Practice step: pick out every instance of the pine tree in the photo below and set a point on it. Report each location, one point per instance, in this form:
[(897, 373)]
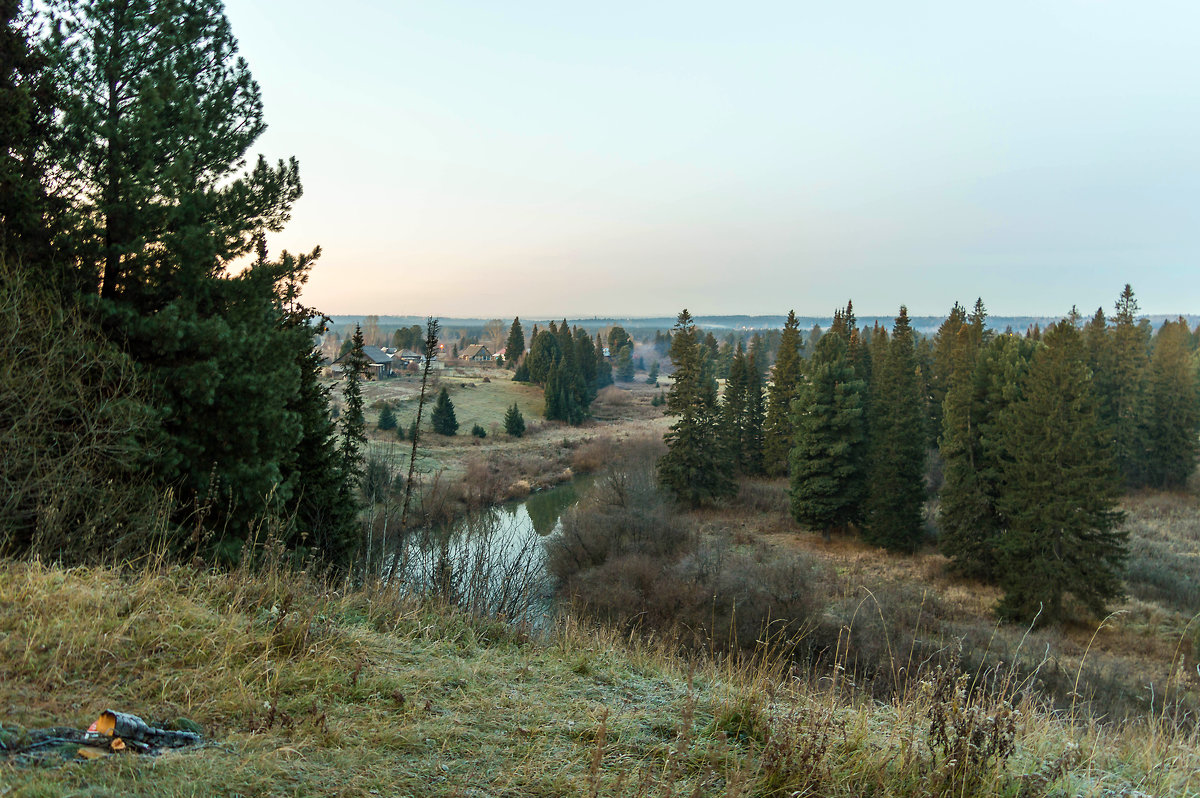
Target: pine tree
[(1175, 407), (514, 349), (514, 422), (896, 479), (1059, 491), (785, 386), (353, 419), (695, 468), (387, 418), (826, 484), (442, 418)]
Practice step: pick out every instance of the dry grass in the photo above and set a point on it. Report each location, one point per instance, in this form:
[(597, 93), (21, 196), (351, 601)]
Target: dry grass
[(305, 690)]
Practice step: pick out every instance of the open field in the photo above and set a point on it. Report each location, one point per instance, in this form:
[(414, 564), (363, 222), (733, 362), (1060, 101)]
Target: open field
[(541, 457)]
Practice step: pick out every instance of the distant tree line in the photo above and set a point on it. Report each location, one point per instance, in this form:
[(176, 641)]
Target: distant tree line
[(1037, 435)]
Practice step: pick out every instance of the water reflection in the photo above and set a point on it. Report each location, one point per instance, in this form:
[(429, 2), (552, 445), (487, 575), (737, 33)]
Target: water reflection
[(491, 562)]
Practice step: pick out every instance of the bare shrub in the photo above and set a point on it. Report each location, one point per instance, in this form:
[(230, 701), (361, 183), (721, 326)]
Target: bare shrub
[(73, 425), (614, 396), (763, 497), (593, 455)]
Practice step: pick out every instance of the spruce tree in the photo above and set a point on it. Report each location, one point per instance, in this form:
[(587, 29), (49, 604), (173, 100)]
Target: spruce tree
[(985, 382), (1174, 407), (695, 468), (785, 386), (604, 375), (387, 418), (1125, 393), (826, 479), (945, 344), (896, 476), (624, 367), (514, 422), (1059, 490), (514, 349), (733, 408), (442, 418), (353, 419)]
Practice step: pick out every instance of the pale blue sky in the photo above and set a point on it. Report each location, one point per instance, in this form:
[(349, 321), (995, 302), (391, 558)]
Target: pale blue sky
[(557, 158)]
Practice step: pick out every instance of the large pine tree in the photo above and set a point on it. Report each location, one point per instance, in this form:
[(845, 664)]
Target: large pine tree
[(1059, 491), (785, 386), (695, 468), (896, 475), (826, 484)]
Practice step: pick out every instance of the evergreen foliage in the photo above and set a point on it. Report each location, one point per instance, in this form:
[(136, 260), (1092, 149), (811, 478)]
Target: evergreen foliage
[(143, 114), (896, 477), (514, 349), (786, 380), (387, 418), (353, 418), (514, 422), (826, 479), (478, 431), (1059, 490), (695, 468), (442, 419), (1174, 407), (984, 384), (624, 363), (742, 414)]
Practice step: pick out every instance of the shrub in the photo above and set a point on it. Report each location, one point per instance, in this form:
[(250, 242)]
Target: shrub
[(478, 431)]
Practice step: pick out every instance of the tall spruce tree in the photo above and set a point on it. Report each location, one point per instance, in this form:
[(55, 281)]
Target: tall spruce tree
[(1174, 407), (1125, 395), (985, 382), (695, 468), (896, 477), (1059, 491), (353, 418), (826, 479), (945, 343), (514, 349), (785, 386)]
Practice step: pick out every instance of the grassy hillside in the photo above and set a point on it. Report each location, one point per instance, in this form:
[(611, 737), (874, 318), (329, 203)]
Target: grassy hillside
[(305, 690)]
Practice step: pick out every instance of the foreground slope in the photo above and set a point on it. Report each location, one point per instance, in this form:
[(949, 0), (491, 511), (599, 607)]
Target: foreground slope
[(304, 690)]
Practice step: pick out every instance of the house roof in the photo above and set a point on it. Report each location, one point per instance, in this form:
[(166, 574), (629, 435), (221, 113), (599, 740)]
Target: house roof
[(473, 350), (376, 355)]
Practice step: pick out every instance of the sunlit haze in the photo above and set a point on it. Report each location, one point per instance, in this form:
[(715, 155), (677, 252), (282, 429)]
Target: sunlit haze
[(550, 159)]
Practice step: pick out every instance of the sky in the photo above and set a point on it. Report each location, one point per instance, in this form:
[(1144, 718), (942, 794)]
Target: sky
[(550, 159)]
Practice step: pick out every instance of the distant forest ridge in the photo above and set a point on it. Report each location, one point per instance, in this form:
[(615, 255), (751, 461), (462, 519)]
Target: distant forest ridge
[(925, 325)]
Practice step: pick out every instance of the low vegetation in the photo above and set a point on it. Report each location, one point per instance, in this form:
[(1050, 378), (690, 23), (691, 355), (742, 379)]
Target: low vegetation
[(308, 688)]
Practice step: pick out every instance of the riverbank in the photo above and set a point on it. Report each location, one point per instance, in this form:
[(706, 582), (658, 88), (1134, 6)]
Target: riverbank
[(304, 689)]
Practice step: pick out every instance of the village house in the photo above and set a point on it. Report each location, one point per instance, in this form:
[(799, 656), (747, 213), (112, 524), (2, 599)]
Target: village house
[(476, 353)]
